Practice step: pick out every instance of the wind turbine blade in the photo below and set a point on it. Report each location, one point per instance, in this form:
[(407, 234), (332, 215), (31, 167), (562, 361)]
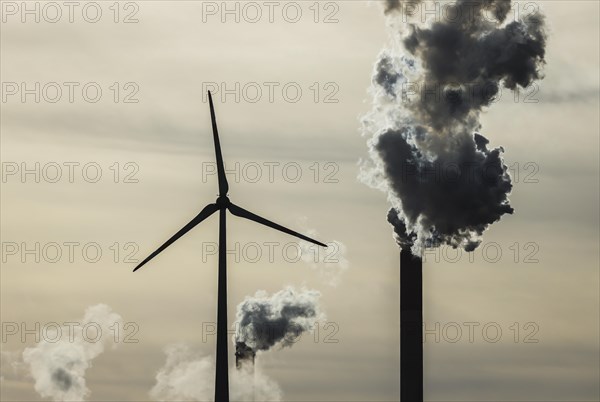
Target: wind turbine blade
[(205, 213), (223, 185), (241, 212)]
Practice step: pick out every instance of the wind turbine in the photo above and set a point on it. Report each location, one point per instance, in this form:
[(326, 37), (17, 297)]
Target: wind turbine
[(222, 205)]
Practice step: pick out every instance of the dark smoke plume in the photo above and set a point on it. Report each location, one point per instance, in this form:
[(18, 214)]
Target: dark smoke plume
[(391, 5), (445, 184), (396, 5), (276, 320)]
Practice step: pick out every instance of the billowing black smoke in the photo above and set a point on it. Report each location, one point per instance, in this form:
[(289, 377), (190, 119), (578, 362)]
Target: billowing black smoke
[(469, 57), (470, 185), (391, 5), (445, 185), (265, 321), (396, 5)]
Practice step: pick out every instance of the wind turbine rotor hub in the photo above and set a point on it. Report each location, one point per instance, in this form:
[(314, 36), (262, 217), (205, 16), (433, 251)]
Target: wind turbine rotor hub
[(223, 201)]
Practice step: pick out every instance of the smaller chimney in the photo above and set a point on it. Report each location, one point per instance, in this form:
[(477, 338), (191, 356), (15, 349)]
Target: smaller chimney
[(244, 356), (244, 360)]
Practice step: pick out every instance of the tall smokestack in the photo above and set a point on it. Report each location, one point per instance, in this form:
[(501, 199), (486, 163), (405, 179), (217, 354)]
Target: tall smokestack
[(445, 181), (411, 313), (411, 327)]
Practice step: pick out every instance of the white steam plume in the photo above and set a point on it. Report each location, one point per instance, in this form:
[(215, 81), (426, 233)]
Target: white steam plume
[(58, 368), (330, 262), (189, 377)]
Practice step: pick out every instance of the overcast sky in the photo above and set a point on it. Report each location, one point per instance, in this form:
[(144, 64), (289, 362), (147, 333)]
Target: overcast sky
[(153, 128)]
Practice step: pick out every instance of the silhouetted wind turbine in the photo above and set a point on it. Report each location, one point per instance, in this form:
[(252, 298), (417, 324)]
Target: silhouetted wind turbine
[(222, 204)]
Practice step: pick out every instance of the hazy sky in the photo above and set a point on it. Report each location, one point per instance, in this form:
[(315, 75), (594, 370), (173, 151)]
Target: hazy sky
[(546, 279)]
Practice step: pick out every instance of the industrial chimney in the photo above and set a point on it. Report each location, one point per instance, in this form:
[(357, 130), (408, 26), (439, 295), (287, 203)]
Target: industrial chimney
[(244, 356), (244, 360), (411, 327)]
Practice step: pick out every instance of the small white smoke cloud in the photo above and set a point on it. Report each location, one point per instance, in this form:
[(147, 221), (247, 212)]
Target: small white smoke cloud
[(11, 366), (249, 384), (184, 377), (187, 376), (330, 262), (58, 367)]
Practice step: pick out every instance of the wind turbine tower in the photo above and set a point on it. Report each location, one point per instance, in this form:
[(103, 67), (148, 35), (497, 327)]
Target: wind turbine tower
[(222, 204)]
